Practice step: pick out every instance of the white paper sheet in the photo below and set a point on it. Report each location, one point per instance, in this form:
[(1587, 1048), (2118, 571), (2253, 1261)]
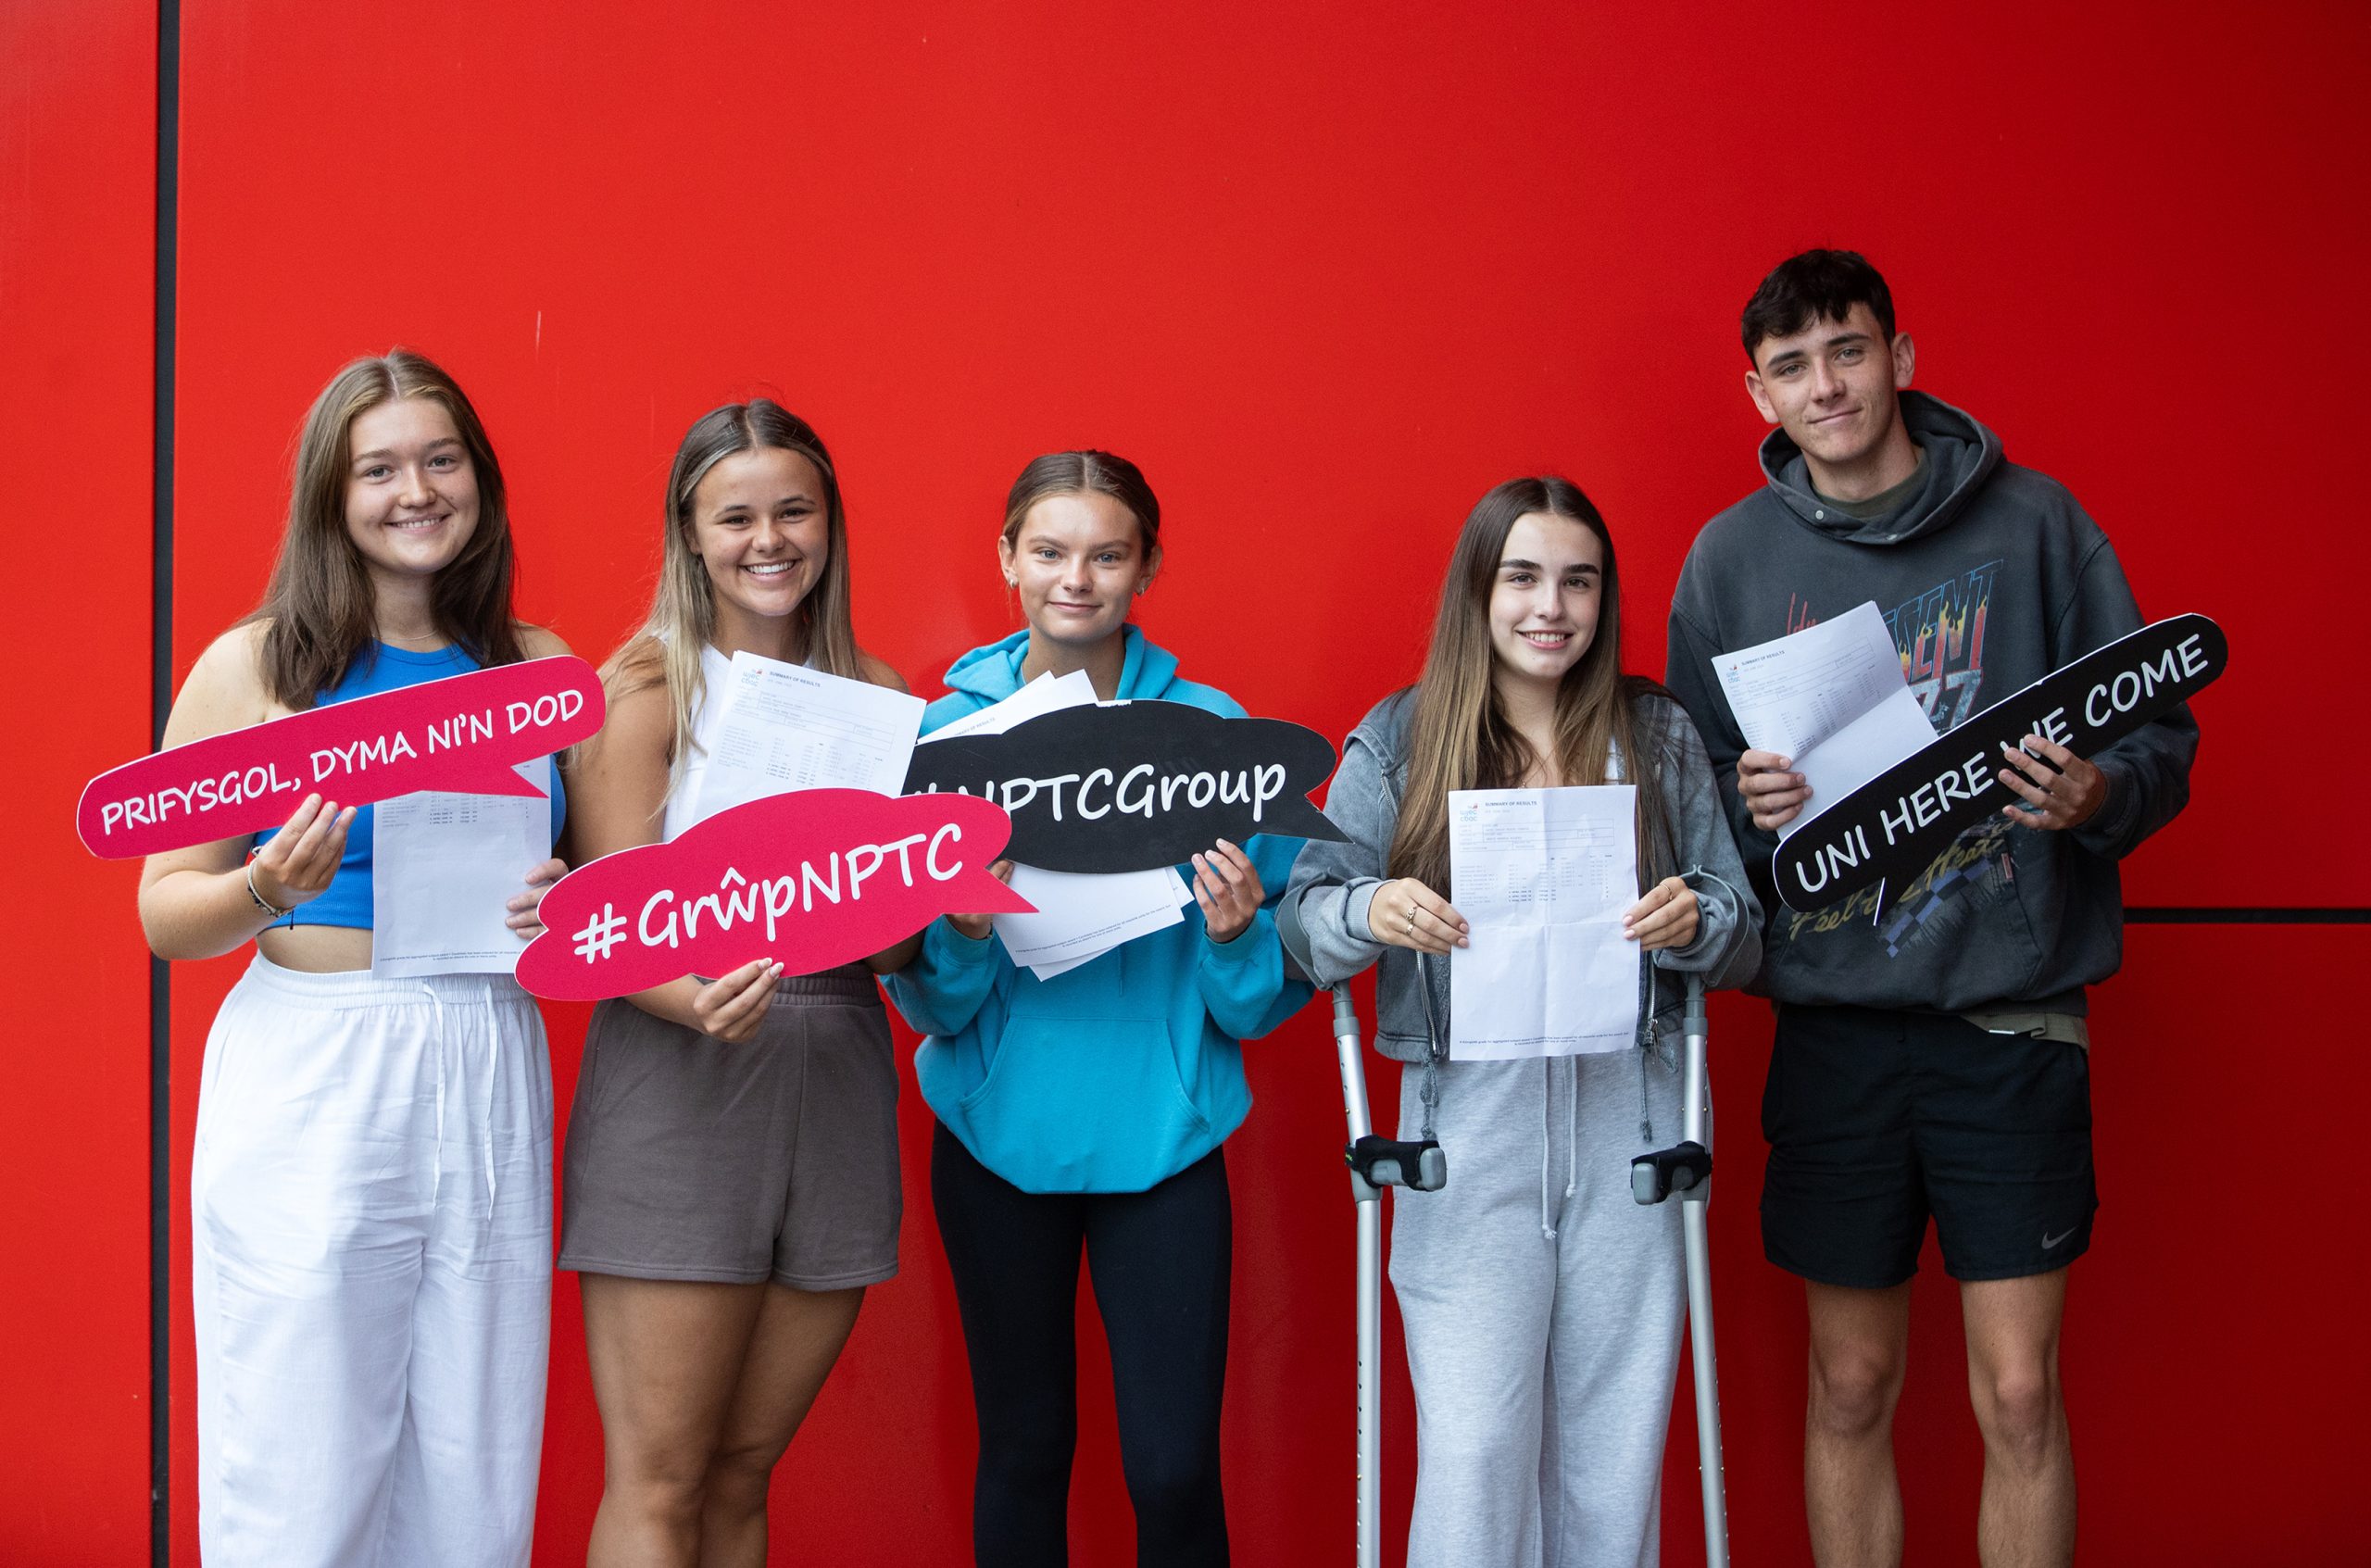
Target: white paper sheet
[(785, 727), (1543, 876), (1043, 694), (1081, 918), (442, 869), (1833, 698)]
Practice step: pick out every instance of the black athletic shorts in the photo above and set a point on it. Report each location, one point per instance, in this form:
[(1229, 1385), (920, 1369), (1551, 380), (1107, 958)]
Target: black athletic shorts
[(1878, 1119)]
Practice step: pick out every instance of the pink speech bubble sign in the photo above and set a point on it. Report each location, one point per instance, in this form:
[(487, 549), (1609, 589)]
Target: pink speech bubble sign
[(462, 734), (814, 878)]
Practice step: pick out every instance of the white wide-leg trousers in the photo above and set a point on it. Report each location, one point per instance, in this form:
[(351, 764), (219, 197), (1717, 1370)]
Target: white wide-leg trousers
[(371, 1199)]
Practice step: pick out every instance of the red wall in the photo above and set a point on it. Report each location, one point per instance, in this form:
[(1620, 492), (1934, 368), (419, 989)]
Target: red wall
[(1327, 273), (77, 162)]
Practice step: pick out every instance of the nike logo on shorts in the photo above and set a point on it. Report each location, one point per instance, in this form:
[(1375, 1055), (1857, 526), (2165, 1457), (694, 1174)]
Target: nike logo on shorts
[(2049, 1241)]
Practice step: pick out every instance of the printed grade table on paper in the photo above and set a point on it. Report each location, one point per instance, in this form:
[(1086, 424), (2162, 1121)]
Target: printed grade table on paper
[(1832, 699), (1542, 876), (444, 866), (784, 727)]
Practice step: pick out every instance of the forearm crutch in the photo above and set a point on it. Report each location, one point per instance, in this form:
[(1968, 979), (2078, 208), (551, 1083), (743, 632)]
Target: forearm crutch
[(1686, 1170), (1375, 1163)]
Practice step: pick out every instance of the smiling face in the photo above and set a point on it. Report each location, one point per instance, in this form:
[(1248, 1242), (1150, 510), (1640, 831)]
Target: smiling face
[(761, 526), (411, 492), (1832, 386), (1544, 599), (1077, 561)]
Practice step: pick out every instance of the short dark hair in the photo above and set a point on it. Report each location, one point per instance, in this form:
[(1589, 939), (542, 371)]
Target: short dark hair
[(1818, 286)]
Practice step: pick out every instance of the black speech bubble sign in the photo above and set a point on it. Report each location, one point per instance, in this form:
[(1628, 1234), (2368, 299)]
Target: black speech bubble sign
[(1127, 786), (1892, 827)]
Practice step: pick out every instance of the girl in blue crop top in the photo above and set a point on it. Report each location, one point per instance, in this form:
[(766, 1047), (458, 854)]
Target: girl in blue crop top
[(386, 668), (371, 1182)]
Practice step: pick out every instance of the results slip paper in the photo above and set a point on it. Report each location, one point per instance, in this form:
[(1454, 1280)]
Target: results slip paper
[(785, 727), (1832, 697), (443, 868), (1543, 877)]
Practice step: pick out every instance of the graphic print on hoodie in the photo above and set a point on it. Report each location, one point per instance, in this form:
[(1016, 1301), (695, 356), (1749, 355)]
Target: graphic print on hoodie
[(1990, 576), (1940, 635)]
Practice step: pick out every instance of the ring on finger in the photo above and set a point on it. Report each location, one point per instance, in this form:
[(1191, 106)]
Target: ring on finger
[(1411, 923)]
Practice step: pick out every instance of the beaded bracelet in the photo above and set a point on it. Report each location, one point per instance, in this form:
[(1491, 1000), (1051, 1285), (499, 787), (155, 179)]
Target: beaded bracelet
[(266, 905)]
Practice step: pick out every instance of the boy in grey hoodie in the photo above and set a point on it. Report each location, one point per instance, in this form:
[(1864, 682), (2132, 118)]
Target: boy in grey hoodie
[(1931, 1054)]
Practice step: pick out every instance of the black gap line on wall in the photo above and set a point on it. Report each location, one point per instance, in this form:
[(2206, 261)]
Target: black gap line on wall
[(160, 701), (2169, 916)]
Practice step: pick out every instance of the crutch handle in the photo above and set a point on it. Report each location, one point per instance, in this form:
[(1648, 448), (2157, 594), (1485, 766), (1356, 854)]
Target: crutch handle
[(1388, 1162), (1680, 1168)]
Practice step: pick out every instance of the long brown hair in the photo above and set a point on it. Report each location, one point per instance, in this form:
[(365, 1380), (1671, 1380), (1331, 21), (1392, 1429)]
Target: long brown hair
[(683, 611), (1459, 737), (320, 609)]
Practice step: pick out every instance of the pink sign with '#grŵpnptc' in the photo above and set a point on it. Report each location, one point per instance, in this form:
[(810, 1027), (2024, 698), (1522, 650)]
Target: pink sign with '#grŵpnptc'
[(814, 878), (462, 734)]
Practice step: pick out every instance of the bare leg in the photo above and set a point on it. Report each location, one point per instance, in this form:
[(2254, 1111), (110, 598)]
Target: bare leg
[(1859, 1348), (666, 1361), (798, 1337), (2026, 1518)]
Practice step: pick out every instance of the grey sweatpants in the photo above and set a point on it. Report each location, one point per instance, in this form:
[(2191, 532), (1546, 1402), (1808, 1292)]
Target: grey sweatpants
[(1543, 1309)]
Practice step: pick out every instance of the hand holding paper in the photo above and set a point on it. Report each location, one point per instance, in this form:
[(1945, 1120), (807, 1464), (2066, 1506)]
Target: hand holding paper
[(1406, 913), (1544, 877), (1893, 826), (527, 906), (1828, 706), (446, 868), (1666, 917)]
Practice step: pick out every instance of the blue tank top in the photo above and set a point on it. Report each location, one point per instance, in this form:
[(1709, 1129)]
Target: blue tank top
[(383, 669)]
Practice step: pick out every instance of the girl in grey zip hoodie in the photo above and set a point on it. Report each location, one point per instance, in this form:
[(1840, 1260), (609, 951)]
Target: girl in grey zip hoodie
[(1542, 1305)]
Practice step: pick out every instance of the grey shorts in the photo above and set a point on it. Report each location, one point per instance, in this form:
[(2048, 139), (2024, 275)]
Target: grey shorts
[(773, 1160)]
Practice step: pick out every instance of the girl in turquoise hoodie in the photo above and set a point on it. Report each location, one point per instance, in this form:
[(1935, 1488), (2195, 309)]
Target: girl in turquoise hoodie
[(1086, 1112)]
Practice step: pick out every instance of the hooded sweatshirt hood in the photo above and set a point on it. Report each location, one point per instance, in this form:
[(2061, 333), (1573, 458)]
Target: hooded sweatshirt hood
[(992, 672), (1961, 457)]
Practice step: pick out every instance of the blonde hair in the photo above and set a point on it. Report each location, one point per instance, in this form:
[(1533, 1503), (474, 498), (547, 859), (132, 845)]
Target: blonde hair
[(681, 621)]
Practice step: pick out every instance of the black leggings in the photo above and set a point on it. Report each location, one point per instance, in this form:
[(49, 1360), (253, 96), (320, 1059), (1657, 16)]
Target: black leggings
[(1159, 1260)]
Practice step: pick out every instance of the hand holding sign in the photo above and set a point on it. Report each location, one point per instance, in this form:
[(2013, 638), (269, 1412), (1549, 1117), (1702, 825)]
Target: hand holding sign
[(462, 734), (297, 866), (808, 880), (1129, 786), (1895, 825), (2063, 789), (1227, 886), (976, 924)]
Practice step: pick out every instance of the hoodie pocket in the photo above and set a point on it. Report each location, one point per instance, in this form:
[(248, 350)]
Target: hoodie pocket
[(1084, 1105)]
